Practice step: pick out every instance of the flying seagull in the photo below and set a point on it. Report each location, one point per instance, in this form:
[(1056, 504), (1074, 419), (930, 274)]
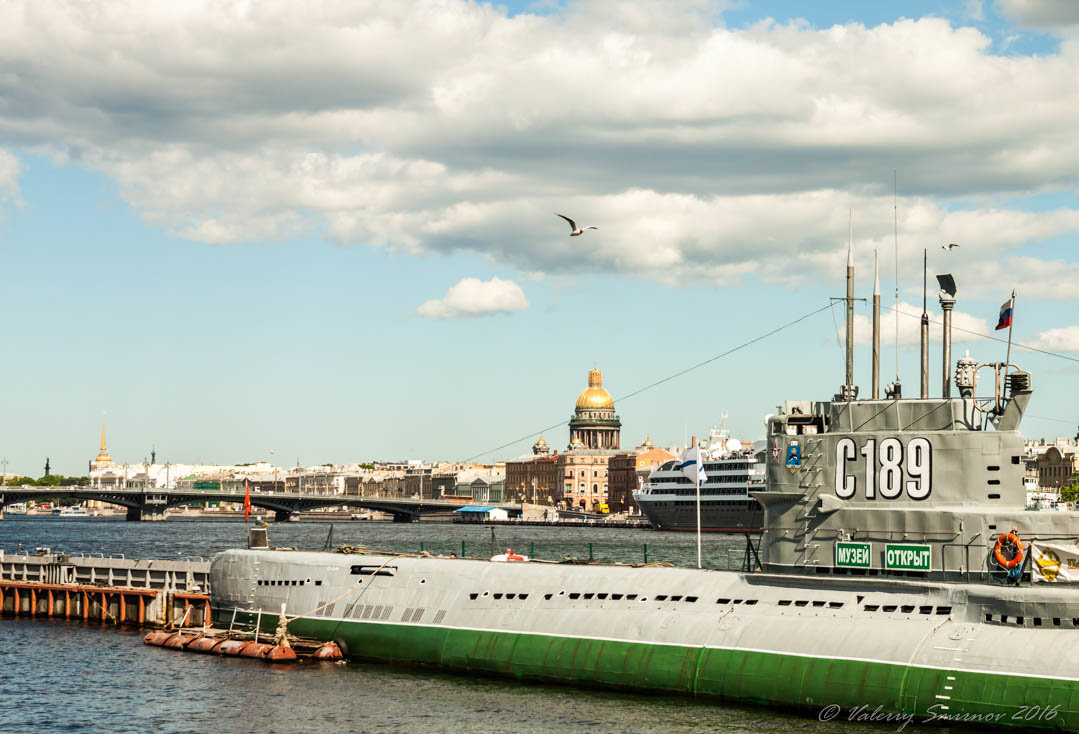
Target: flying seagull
[(949, 247), (574, 229)]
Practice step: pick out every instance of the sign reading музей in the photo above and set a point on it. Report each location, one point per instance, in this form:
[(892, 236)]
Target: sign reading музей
[(897, 557), (853, 555)]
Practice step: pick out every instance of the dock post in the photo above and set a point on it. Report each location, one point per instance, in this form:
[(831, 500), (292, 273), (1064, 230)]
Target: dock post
[(15, 609), (590, 557), (67, 604), (421, 546), (85, 605), (33, 602), (50, 602), (532, 549), (462, 549), (142, 609), (646, 552), (104, 606)]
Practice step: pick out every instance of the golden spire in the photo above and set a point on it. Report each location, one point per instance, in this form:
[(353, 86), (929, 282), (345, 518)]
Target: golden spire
[(103, 459)]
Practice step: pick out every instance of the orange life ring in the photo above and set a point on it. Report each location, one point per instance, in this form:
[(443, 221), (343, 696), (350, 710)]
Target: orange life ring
[(1008, 563)]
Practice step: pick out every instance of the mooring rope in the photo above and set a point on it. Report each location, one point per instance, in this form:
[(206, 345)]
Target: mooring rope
[(347, 591)]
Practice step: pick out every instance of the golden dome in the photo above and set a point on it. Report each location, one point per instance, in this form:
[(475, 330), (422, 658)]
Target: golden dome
[(541, 442), (594, 396)]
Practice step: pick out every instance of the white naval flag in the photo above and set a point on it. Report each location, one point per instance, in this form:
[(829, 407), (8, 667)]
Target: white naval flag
[(692, 467)]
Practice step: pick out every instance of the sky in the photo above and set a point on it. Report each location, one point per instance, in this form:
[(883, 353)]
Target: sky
[(329, 231)]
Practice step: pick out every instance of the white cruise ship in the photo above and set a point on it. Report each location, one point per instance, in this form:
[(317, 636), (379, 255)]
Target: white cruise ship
[(669, 500)]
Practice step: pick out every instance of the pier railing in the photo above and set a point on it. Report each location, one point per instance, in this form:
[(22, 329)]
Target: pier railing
[(577, 551), (112, 589)]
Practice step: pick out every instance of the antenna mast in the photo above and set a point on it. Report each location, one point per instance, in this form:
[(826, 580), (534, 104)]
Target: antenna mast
[(850, 305), (925, 329), (895, 230), (876, 324), (849, 392)]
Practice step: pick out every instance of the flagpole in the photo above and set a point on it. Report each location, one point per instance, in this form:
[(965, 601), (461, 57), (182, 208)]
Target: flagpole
[(699, 509), (1008, 358)]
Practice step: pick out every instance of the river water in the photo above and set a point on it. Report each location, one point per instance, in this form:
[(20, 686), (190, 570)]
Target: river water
[(71, 677)]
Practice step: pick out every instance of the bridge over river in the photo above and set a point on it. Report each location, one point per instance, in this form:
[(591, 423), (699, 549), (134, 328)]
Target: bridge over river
[(150, 504)]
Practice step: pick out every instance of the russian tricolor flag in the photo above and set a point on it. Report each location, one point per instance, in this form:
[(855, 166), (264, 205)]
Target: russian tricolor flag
[(1005, 314)]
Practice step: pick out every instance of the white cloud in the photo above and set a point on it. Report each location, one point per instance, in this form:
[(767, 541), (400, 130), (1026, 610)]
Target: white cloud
[(472, 297), (9, 177), (705, 154), (965, 327), (1063, 339), (1033, 279)]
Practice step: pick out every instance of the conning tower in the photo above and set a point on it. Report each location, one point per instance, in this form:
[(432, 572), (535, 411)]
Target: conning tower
[(910, 487)]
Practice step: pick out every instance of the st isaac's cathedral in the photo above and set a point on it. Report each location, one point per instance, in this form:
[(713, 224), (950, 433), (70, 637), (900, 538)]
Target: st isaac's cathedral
[(594, 437), (594, 424)]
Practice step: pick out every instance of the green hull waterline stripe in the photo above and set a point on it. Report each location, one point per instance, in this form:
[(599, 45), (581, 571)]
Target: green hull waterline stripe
[(271, 619), (767, 677)]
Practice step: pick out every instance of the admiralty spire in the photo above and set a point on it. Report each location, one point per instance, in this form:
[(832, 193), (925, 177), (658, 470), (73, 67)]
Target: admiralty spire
[(103, 460)]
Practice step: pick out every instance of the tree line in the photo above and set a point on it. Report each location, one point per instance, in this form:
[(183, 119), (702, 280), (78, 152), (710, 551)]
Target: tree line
[(52, 480)]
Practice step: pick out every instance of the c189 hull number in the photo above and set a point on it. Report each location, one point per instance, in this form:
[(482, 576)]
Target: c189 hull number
[(889, 469)]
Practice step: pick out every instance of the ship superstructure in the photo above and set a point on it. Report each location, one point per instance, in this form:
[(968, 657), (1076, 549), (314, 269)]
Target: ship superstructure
[(898, 571), (669, 498)]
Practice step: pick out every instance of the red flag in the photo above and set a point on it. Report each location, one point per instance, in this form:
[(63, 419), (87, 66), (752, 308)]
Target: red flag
[(247, 500)]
